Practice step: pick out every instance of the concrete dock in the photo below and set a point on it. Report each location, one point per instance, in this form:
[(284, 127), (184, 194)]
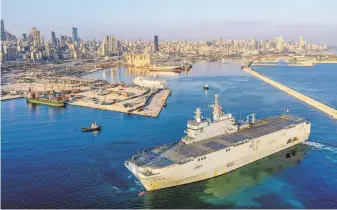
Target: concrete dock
[(9, 97), (145, 102), (155, 105), (318, 105)]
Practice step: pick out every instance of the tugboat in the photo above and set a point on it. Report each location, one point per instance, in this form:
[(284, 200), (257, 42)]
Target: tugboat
[(206, 87), (93, 127)]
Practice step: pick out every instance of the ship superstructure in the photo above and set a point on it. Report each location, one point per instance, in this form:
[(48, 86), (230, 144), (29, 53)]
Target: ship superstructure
[(216, 146), (200, 129)]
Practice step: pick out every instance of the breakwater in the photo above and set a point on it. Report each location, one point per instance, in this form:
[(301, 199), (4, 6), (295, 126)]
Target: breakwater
[(312, 102)]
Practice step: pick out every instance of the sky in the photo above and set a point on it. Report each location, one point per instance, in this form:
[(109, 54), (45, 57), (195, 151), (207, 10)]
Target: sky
[(316, 20)]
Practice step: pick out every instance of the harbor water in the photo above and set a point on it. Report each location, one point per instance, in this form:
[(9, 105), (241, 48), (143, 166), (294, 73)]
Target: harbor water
[(47, 162)]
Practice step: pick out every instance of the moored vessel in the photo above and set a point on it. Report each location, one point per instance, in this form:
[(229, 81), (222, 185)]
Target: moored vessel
[(165, 68), (216, 146), (150, 82), (34, 97), (46, 102)]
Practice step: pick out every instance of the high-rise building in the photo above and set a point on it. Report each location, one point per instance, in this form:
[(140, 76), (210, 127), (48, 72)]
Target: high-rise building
[(69, 40), (3, 32), (252, 44), (103, 48), (112, 44), (75, 35), (24, 37), (63, 41), (30, 38), (57, 42), (53, 39), (302, 42), (279, 44), (156, 43), (36, 37), (47, 48)]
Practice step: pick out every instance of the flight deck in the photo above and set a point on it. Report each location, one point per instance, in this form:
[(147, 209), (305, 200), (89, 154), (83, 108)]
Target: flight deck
[(176, 153)]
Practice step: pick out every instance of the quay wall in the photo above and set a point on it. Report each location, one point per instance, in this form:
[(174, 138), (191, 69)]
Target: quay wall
[(9, 97), (312, 102)]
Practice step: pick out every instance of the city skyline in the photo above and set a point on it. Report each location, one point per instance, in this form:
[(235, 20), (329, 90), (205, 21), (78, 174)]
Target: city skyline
[(187, 20)]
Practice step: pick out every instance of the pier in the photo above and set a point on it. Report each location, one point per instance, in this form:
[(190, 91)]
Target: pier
[(9, 97), (144, 102), (312, 102)]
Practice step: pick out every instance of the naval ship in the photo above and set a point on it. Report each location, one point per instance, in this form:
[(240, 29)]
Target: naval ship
[(216, 146)]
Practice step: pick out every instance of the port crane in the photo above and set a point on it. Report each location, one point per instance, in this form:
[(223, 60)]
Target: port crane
[(104, 99), (249, 63)]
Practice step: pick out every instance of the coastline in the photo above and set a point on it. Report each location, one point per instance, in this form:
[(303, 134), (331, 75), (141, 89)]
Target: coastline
[(9, 97)]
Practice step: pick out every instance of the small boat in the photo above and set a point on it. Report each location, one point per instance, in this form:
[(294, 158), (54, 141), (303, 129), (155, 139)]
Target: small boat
[(206, 86), (93, 127), (165, 104), (142, 193)]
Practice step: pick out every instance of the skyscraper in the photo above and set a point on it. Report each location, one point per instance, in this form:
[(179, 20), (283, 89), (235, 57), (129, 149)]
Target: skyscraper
[(24, 37), (279, 44), (3, 32), (30, 38), (47, 48), (53, 38), (112, 44), (75, 35), (156, 43), (63, 41), (103, 48), (36, 37)]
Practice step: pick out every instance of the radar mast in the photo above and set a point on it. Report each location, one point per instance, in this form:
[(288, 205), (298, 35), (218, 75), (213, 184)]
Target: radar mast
[(217, 109), (197, 115)]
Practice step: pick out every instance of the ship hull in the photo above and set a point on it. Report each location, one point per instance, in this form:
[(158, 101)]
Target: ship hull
[(46, 102), (150, 83), (221, 162), (158, 69)]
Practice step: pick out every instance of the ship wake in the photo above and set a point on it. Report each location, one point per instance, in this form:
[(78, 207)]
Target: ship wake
[(322, 146)]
